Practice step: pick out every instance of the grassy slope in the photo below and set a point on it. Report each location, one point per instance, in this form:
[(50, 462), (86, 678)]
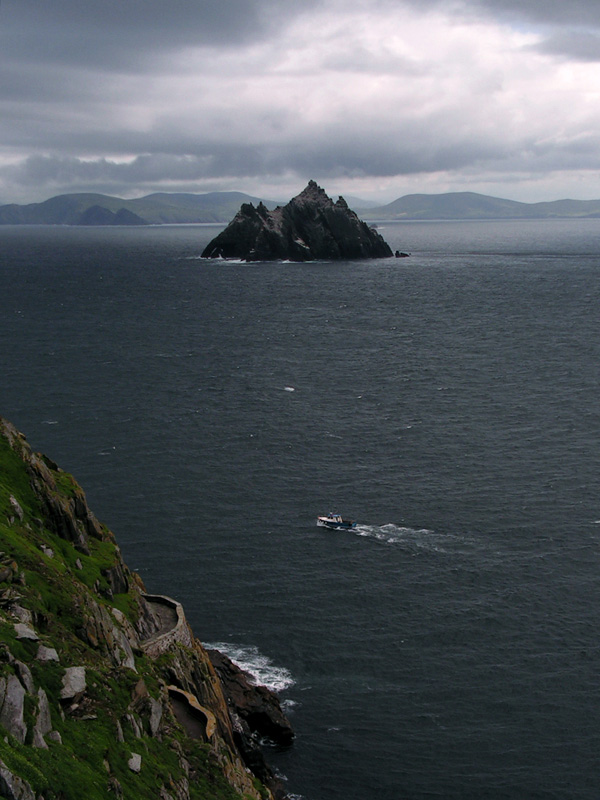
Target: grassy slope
[(56, 591)]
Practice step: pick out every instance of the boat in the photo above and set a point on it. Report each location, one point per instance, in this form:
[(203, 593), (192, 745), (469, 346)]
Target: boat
[(335, 522)]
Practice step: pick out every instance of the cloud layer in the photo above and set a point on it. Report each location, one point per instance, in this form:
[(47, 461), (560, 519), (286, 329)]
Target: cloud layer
[(375, 97)]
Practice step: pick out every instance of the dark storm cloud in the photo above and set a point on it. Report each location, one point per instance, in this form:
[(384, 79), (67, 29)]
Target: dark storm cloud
[(326, 159), (121, 34), (130, 96), (574, 45)]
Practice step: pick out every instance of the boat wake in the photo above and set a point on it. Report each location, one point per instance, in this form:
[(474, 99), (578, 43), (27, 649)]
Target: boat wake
[(409, 538), (389, 532), (423, 540), (260, 668)]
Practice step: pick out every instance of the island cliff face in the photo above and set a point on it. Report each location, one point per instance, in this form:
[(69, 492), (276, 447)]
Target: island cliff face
[(311, 226), (104, 690)]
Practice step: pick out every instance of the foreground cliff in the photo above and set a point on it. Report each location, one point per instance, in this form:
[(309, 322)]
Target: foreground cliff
[(309, 227), (104, 691)]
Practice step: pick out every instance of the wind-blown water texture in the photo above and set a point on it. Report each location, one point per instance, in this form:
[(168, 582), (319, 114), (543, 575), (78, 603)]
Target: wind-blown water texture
[(448, 646)]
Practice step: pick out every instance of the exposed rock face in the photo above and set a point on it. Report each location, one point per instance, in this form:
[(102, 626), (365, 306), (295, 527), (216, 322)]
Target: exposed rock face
[(309, 227), (258, 706), (73, 683), (95, 671), (12, 696), (12, 787), (256, 713)]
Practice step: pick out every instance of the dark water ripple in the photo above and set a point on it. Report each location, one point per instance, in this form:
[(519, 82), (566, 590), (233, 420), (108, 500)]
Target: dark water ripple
[(446, 648)]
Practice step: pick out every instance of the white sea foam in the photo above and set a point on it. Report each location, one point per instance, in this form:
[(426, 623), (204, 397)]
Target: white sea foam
[(395, 534), (107, 451), (419, 540), (260, 667), (217, 259)]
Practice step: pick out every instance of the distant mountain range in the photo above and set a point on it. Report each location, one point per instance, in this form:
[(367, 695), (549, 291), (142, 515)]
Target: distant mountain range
[(220, 207), (469, 205), (154, 209)]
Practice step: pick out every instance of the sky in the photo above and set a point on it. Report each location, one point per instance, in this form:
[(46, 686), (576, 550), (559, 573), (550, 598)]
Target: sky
[(371, 98)]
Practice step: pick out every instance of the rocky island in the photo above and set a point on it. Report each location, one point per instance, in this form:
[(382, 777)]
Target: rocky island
[(311, 226), (104, 689)]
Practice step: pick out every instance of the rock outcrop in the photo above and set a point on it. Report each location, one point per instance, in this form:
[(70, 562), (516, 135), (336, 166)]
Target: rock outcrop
[(256, 705), (103, 686), (310, 227), (98, 215)]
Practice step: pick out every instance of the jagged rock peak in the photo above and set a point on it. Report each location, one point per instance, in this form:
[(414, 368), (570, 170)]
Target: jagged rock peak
[(313, 191), (310, 227)]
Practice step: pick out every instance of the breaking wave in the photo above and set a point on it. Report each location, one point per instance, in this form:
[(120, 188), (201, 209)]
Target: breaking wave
[(260, 667)]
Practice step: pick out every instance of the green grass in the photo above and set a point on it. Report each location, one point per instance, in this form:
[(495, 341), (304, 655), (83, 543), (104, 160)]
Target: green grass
[(66, 484), (62, 597), (15, 481)]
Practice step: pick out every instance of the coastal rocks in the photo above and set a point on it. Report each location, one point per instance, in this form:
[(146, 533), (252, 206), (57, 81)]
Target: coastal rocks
[(256, 714), (134, 662), (311, 226), (256, 705)]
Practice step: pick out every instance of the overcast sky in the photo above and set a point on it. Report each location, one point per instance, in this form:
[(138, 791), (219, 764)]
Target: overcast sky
[(371, 98)]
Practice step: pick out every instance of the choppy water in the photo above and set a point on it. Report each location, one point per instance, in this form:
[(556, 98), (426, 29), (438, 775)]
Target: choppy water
[(448, 646)]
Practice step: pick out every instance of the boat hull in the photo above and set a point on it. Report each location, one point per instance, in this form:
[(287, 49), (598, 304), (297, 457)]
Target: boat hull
[(335, 525)]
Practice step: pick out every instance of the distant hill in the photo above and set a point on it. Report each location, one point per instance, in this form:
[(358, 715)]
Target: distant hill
[(357, 203), (154, 209), (220, 207), (470, 205)]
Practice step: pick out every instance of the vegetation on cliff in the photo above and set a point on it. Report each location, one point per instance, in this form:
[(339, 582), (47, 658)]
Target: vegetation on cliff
[(104, 691)]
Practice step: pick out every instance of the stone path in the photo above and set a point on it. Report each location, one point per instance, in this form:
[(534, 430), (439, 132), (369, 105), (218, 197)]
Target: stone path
[(166, 616)]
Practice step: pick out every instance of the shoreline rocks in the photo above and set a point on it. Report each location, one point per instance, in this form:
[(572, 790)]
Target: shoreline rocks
[(88, 651)]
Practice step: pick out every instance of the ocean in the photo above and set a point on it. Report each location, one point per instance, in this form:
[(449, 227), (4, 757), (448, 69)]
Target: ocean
[(448, 402)]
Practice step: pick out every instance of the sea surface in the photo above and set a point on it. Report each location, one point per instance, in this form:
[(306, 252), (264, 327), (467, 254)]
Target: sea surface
[(448, 647)]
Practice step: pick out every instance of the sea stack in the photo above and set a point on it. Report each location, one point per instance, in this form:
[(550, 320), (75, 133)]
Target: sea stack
[(310, 227)]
